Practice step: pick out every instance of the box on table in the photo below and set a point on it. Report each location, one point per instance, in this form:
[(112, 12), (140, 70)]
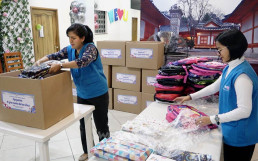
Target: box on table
[(110, 93), (112, 52), (33, 102), (108, 73), (147, 99), (127, 101), (144, 54), (148, 80), (126, 78)]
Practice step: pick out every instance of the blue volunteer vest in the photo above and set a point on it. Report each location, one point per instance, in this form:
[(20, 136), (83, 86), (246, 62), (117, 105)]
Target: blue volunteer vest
[(243, 132), (90, 81)]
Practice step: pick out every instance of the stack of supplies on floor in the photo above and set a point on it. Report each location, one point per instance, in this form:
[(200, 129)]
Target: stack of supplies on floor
[(203, 74), (119, 150), (170, 82)]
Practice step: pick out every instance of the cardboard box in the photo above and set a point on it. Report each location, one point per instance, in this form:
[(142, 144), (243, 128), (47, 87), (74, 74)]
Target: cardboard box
[(110, 93), (112, 52), (148, 80), (127, 101), (126, 78), (108, 73), (35, 103), (74, 93), (147, 99), (144, 54)]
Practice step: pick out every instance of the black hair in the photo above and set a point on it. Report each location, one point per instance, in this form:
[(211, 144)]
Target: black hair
[(81, 30), (235, 41)]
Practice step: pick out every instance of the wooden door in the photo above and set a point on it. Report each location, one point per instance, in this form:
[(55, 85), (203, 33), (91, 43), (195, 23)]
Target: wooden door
[(48, 42), (134, 29)]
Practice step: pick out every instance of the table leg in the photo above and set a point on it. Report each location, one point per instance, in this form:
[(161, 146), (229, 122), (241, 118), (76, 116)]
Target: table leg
[(89, 135), (44, 151)]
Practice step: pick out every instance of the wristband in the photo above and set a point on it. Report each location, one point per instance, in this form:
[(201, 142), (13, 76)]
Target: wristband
[(217, 119)]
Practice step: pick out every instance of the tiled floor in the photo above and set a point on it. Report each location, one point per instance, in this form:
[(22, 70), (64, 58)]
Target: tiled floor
[(66, 146)]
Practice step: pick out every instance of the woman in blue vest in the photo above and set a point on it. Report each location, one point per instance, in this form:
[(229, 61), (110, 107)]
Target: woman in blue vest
[(238, 98), (88, 77)]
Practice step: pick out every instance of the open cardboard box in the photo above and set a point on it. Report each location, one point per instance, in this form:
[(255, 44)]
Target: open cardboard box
[(33, 102)]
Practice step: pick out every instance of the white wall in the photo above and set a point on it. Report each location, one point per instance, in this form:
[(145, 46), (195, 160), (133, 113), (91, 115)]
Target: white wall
[(118, 30)]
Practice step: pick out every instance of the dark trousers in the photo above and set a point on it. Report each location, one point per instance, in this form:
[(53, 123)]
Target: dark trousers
[(232, 153), (100, 116)]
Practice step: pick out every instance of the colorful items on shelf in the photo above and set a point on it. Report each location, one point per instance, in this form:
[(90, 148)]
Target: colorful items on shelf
[(118, 150), (193, 73), (170, 80)]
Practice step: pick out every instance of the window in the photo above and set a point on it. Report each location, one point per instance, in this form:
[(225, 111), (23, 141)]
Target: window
[(204, 40), (101, 21)]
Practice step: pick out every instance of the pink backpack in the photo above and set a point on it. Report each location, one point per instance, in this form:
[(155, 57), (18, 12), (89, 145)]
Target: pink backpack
[(213, 65), (173, 112), (191, 60)]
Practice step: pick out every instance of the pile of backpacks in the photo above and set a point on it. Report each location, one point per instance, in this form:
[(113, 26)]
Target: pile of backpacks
[(186, 76)]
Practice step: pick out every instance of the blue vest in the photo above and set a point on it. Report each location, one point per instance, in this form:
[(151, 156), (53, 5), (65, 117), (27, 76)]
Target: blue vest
[(90, 81), (243, 132)]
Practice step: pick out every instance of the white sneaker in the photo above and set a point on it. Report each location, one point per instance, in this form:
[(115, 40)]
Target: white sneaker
[(83, 157)]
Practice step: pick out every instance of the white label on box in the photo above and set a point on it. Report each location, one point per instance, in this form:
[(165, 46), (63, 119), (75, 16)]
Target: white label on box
[(18, 101), (127, 99), (74, 92), (126, 78), (148, 103), (141, 53), (111, 53), (154, 157), (151, 81)]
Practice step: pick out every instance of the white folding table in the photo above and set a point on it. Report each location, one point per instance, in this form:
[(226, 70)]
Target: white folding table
[(42, 136), (213, 142)]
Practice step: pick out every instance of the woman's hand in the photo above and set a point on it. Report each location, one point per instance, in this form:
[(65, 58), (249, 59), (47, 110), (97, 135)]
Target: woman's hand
[(182, 99), (203, 121), (54, 68), (42, 60), (37, 63)]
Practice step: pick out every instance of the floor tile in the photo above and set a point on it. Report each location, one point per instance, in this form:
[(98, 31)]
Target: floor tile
[(1, 134), (76, 146), (12, 142), (26, 153), (122, 117), (70, 158), (114, 124), (73, 131), (1, 141), (59, 137), (58, 149)]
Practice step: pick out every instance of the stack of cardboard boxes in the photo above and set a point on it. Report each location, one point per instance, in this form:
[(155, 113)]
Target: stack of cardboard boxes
[(131, 69)]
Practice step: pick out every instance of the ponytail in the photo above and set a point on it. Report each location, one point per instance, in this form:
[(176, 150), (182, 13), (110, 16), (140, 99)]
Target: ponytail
[(89, 37)]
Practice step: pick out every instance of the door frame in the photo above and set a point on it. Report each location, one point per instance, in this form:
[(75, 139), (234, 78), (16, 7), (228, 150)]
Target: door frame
[(134, 27), (57, 29)]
